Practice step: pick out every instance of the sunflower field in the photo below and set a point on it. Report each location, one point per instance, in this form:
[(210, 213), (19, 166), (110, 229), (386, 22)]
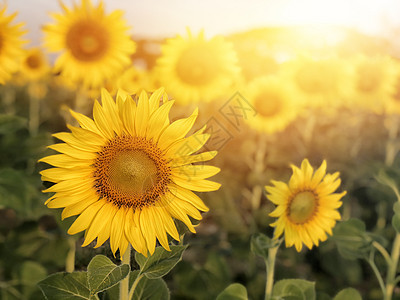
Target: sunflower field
[(259, 164)]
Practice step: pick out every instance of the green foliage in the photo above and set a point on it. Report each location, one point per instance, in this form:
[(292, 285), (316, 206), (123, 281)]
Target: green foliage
[(161, 262), (260, 244), (68, 286), (352, 239), (235, 291), (103, 274), (348, 294), (294, 289), (146, 289)]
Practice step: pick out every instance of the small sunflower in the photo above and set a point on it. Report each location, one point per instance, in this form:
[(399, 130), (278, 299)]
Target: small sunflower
[(307, 206), (10, 45), (95, 47), (34, 65), (195, 69), (273, 102), (129, 172)]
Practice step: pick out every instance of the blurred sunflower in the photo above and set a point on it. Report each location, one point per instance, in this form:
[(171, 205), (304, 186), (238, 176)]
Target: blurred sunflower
[(307, 206), (133, 80), (373, 81), (195, 69), (10, 45), (34, 65), (273, 102), (319, 81), (95, 46), (129, 172)]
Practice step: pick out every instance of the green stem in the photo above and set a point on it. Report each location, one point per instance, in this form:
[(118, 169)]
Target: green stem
[(70, 260), (378, 275), (270, 266), (382, 251), (134, 285), (391, 274), (124, 284)]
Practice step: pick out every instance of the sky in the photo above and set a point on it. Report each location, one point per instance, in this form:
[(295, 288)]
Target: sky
[(166, 18)]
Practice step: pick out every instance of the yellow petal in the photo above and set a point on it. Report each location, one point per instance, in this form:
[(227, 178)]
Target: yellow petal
[(198, 185), (177, 130), (189, 196), (142, 114), (105, 213), (85, 218)]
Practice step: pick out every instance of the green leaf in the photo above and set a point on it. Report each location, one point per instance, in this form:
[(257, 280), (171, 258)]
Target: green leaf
[(66, 286), (234, 291), (396, 222), (396, 207), (103, 273), (260, 244), (348, 294), (385, 179), (161, 262), (11, 123), (149, 289), (352, 240), (294, 289)]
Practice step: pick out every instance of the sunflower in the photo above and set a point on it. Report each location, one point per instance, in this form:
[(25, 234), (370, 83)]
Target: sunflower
[(373, 81), (319, 82), (307, 206), (34, 65), (195, 69), (273, 102), (95, 46), (10, 45), (129, 172)]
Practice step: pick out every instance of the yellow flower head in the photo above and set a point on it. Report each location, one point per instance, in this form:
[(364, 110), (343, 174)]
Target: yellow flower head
[(273, 102), (129, 172), (196, 69), (95, 47), (34, 65), (10, 45), (307, 206), (373, 81), (319, 82)]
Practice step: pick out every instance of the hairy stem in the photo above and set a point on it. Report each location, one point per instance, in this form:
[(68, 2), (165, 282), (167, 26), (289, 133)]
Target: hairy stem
[(124, 284)]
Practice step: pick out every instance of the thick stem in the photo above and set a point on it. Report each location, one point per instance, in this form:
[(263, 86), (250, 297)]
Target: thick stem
[(270, 266), (391, 274), (124, 284), (70, 260)]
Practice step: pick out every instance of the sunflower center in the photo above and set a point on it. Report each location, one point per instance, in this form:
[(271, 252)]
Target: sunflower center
[(131, 172), (302, 207), (197, 66), (33, 61), (87, 40), (268, 105)]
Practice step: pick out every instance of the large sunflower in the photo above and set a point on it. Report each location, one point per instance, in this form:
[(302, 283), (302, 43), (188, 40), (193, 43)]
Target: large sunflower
[(273, 102), (307, 206), (129, 172), (195, 69), (95, 46), (10, 45)]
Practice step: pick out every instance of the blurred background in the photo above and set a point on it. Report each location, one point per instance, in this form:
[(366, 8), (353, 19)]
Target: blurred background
[(333, 65)]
